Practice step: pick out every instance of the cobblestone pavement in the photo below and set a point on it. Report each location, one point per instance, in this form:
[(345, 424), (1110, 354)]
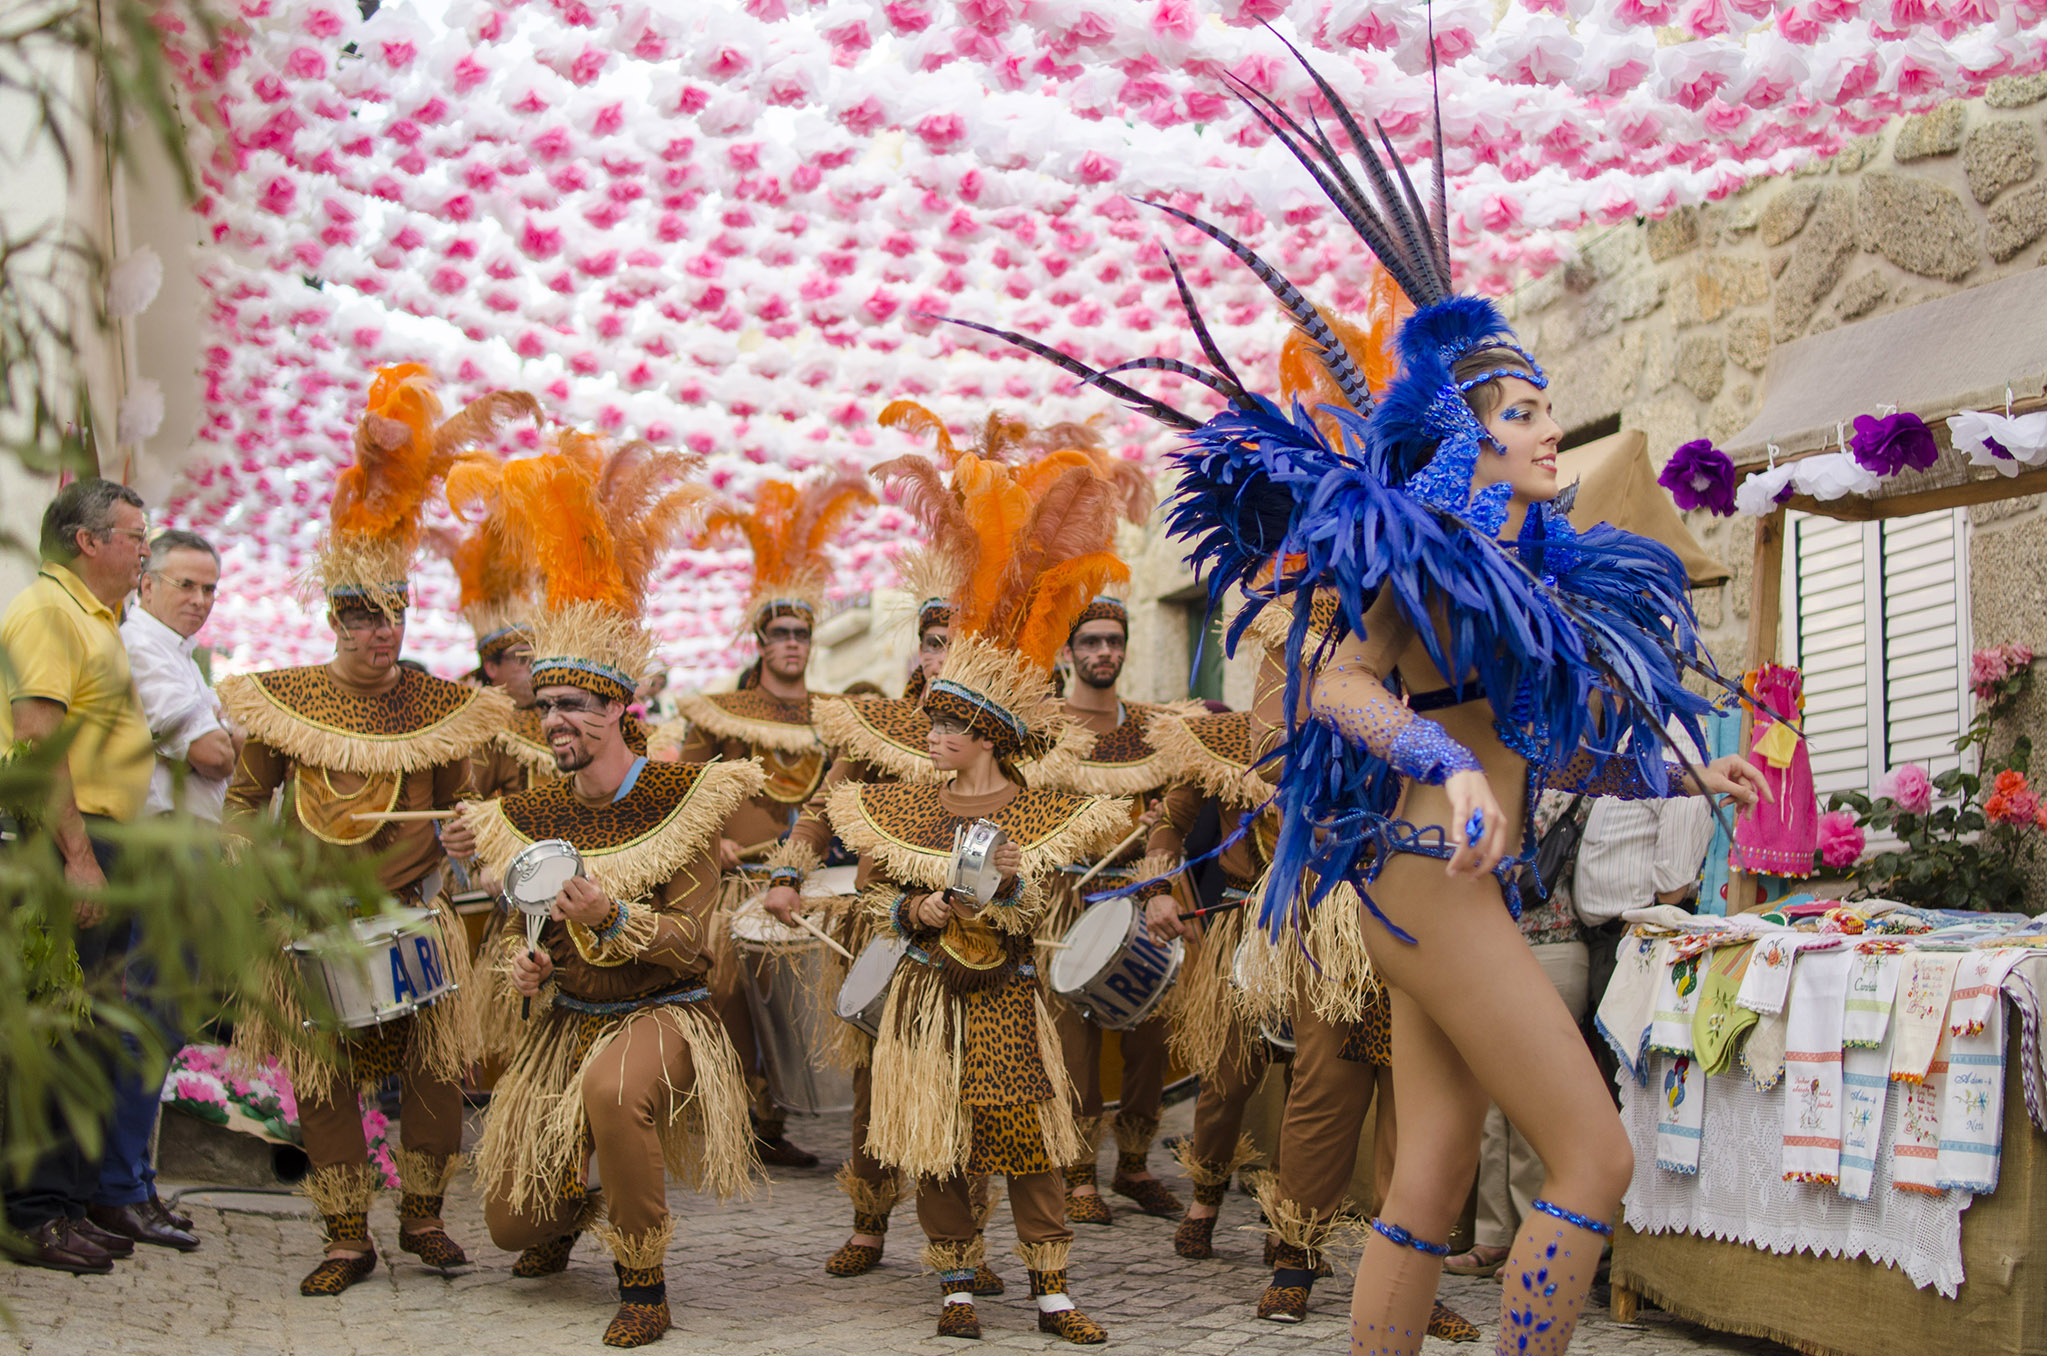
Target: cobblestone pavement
[(744, 1280)]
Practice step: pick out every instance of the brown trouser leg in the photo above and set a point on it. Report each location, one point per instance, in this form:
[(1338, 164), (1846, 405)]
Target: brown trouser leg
[(863, 1164), (1037, 1201), (1324, 1112), (728, 997), (1144, 1070), (626, 1092), (429, 1120), (516, 1232), (1219, 1108)]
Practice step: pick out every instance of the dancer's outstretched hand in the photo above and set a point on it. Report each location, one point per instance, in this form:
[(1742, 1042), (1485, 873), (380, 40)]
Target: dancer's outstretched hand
[(1732, 777)]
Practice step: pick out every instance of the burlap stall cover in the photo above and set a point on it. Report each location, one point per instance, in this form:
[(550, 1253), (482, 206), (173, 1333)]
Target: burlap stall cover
[(1831, 1306)]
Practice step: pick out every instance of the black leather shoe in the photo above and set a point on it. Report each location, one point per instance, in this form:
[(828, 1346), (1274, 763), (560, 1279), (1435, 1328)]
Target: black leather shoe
[(140, 1224), (52, 1244), (107, 1241), (176, 1219), (780, 1153)]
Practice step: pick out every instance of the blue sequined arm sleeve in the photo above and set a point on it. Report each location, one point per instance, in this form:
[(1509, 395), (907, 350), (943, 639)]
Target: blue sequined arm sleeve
[(1357, 705), (1618, 776)]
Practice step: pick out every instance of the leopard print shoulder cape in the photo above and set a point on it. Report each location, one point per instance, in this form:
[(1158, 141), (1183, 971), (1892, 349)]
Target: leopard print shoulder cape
[(1217, 753), (672, 814), (422, 722), (890, 734), (753, 717), (1122, 762), (909, 833)]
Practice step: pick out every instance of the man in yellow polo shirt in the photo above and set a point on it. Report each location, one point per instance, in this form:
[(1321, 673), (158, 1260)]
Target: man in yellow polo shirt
[(64, 669)]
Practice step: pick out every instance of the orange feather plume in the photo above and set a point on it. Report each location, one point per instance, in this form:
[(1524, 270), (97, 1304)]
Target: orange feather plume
[(1372, 346), (379, 498), (491, 572), (787, 527)]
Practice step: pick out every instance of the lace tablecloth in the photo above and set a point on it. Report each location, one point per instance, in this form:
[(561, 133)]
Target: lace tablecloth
[(1740, 1196)]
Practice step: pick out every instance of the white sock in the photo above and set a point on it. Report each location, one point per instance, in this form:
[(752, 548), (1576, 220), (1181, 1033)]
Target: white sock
[(960, 1297), (1054, 1304)]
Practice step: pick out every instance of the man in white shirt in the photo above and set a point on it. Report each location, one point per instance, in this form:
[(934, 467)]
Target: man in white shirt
[(1636, 853), (194, 745)]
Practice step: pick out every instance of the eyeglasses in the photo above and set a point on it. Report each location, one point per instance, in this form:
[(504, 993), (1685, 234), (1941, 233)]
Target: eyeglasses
[(934, 644), (568, 706), (189, 586), (134, 534), (358, 620), (786, 635)]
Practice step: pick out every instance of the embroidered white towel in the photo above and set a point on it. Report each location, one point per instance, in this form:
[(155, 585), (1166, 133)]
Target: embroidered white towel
[(1677, 999), (1872, 989), (1763, 1054), (1630, 1003), (1920, 1011), (1812, 1067), (1865, 1097), (1915, 1130), (1978, 990), (1680, 1113), (1768, 981), (1972, 1106)]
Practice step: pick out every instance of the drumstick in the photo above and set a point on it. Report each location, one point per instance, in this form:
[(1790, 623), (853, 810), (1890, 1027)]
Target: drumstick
[(761, 846), (1095, 870), (1213, 908), (403, 816), (1053, 946), (820, 934)]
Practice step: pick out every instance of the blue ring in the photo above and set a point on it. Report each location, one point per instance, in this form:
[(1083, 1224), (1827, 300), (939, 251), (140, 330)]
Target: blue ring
[(1474, 827)]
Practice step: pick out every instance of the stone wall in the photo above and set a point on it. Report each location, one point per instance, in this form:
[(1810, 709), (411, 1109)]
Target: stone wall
[(1669, 324)]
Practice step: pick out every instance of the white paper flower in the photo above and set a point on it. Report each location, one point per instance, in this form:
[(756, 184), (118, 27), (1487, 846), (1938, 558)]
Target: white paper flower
[(1833, 476), (1757, 496), (141, 413), (2021, 440), (133, 283)]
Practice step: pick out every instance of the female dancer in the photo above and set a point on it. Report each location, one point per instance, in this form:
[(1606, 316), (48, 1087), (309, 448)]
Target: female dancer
[(1431, 512)]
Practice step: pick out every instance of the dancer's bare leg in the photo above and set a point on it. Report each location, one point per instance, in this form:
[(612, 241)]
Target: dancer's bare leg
[(1457, 1044)]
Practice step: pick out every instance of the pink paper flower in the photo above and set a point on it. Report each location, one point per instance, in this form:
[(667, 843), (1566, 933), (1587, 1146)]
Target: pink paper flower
[(1841, 840), (1909, 788)]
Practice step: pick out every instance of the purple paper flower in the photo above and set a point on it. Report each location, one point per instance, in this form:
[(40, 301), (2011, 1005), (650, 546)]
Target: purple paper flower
[(1888, 445), (1700, 476)]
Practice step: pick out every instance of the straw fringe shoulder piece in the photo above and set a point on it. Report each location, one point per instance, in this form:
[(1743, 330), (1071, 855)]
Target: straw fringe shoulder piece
[(747, 716), (422, 722)]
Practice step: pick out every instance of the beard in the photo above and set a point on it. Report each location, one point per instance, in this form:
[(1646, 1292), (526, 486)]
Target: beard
[(1099, 675), (572, 758)]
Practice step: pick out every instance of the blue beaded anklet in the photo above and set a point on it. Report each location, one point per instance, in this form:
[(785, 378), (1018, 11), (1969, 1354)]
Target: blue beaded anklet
[(1393, 1233), (1573, 1217)]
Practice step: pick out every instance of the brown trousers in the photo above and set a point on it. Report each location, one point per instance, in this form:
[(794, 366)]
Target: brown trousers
[(625, 1098), (728, 999), (1144, 1064), (429, 1122), (1325, 1110), (1219, 1107), (1037, 1202), (863, 1164)]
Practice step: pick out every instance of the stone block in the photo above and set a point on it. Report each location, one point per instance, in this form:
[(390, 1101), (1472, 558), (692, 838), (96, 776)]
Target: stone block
[(1611, 252), (2016, 91), (1861, 295), (2003, 510), (1815, 263), (1591, 381), (1701, 364), (1716, 285), (1918, 225), (1786, 214), (1930, 134), (2018, 221), (1658, 369), (1672, 235), (1537, 294), (1858, 153), (2008, 585), (1731, 412), (1637, 294), (1748, 341), (1999, 155), (1746, 214)]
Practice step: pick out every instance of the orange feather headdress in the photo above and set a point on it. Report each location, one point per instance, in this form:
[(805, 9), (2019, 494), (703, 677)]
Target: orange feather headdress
[(592, 519), (402, 446), (1022, 549), (787, 527), (1372, 347)]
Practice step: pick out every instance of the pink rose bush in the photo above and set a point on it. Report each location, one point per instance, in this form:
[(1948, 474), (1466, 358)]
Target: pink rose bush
[(1841, 840), (1909, 788)]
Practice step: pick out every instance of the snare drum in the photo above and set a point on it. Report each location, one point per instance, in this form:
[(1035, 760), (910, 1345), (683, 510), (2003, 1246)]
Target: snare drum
[(865, 993), (1111, 969), (1277, 1028), (375, 970), (783, 970)]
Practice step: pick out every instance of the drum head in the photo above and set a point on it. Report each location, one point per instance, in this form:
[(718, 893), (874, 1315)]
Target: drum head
[(830, 882), (392, 921), (869, 974), (1091, 943), (537, 874), (753, 925)]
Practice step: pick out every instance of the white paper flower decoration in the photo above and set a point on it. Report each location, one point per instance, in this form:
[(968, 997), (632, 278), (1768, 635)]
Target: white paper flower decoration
[(141, 413), (133, 283)]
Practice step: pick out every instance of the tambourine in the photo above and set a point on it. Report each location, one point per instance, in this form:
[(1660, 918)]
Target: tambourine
[(538, 873), (971, 880)]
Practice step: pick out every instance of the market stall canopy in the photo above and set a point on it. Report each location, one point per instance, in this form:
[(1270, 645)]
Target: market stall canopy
[(726, 224), (1617, 485), (1958, 352)]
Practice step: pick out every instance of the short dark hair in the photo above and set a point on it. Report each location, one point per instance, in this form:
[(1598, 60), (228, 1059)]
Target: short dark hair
[(82, 506), (177, 539)]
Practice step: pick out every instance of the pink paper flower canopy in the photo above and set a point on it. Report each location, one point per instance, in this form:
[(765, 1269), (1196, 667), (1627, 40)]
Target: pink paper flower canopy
[(721, 224)]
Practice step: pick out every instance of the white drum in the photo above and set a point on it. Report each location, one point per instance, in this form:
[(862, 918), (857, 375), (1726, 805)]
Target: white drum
[(375, 970), (783, 973), (830, 882), (865, 993), (1111, 969), (537, 874)]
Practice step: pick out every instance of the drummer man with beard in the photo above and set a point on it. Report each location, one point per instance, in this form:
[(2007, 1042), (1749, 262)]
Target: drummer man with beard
[(360, 735), (622, 1055), (1122, 762)]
